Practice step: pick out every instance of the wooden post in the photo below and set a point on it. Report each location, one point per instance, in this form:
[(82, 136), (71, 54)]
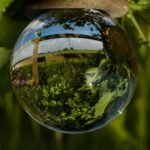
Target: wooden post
[(35, 74)]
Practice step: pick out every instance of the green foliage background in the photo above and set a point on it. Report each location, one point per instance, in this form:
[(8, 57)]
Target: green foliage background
[(128, 132)]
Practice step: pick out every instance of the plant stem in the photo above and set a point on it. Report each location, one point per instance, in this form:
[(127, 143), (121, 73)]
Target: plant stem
[(59, 140), (137, 27)]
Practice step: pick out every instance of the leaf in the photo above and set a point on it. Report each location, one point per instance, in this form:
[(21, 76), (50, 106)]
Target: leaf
[(4, 56), (10, 30), (4, 4), (103, 102), (108, 97)]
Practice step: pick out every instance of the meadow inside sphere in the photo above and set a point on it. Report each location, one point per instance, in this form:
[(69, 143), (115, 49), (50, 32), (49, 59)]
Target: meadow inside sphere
[(73, 70)]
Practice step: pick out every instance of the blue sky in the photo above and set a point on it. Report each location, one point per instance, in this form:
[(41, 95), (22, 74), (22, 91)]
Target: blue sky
[(29, 33)]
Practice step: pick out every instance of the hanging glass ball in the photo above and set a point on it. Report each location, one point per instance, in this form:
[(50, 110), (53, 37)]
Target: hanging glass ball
[(73, 70)]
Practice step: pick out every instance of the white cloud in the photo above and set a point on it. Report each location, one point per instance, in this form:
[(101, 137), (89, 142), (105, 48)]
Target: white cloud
[(35, 25)]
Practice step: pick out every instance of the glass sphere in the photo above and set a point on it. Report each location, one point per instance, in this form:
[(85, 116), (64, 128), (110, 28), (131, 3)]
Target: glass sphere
[(73, 70)]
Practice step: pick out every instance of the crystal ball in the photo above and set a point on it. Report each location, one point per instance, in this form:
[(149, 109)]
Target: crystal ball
[(73, 70)]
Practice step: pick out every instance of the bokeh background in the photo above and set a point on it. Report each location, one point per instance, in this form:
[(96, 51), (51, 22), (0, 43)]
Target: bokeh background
[(130, 131)]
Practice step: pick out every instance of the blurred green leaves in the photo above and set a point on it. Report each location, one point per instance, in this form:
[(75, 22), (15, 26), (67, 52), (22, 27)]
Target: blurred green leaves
[(129, 132), (4, 4), (10, 30), (4, 56), (139, 5)]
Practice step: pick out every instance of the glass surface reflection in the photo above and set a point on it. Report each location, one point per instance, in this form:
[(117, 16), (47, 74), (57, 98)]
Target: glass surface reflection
[(73, 70)]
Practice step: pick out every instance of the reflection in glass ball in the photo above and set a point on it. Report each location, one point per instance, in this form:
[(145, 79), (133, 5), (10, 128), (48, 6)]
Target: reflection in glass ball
[(73, 70)]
